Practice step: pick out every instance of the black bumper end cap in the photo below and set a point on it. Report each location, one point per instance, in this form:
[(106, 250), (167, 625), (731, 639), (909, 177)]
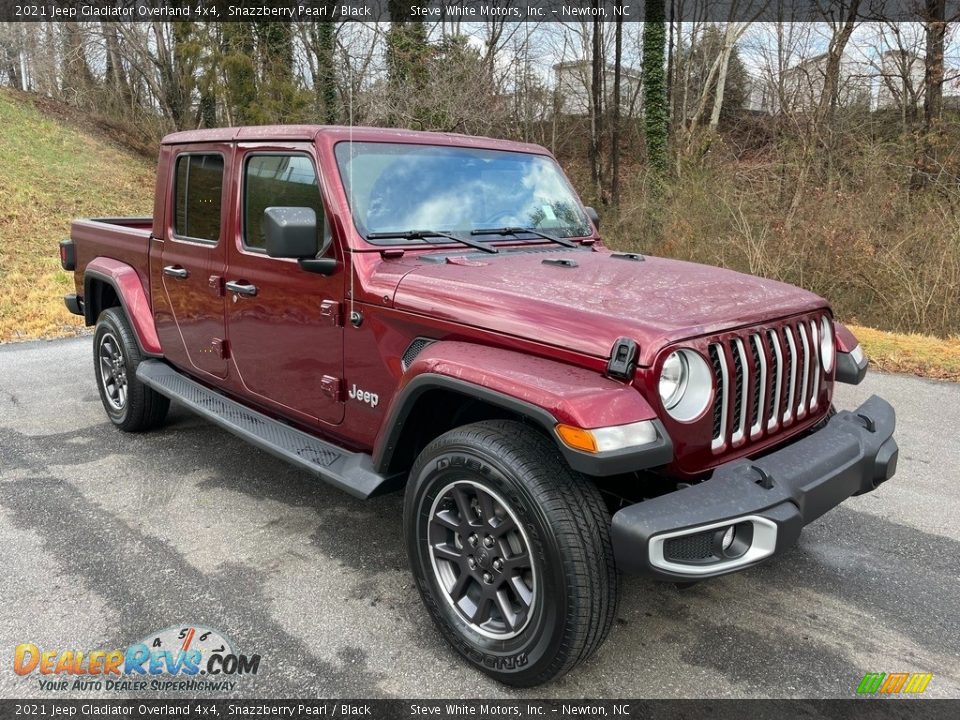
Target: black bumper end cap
[(74, 303), (849, 371)]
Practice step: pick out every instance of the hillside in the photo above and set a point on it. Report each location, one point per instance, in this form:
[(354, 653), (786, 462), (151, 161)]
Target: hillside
[(57, 164), (53, 169)]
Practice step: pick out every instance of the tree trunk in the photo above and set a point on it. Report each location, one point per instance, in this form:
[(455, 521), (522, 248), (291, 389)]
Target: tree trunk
[(831, 79), (326, 72), (77, 78), (115, 75), (729, 41), (936, 29), (615, 119), (654, 86), (596, 108)]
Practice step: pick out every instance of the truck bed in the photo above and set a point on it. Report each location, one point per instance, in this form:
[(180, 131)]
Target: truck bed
[(126, 239)]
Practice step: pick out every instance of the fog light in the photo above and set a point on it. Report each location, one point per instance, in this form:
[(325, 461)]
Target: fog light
[(727, 540)]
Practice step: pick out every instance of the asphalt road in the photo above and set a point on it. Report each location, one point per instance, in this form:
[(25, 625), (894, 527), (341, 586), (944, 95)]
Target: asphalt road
[(105, 537)]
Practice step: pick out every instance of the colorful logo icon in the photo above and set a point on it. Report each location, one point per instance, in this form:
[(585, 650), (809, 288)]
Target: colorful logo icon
[(893, 683)]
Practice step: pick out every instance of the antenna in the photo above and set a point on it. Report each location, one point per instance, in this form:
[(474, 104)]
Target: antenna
[(355, 318)]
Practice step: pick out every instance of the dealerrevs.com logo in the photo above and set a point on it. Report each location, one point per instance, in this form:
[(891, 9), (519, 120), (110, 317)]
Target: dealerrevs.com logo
[(187, 658)]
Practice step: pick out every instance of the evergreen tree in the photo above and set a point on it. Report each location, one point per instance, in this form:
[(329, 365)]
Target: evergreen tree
[(655, 116)]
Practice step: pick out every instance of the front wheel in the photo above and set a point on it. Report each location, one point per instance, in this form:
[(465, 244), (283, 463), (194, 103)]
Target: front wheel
[(130, 405), (510, 550)]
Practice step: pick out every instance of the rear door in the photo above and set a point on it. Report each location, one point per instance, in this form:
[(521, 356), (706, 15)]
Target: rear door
[(285, 326), (193, 259)]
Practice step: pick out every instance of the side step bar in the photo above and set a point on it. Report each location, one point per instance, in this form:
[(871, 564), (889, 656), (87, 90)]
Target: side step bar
[(352, 472)]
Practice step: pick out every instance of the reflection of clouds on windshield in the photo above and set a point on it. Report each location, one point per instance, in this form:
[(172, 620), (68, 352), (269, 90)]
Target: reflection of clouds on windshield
[(429, 188), (452, 209), (543, 183)]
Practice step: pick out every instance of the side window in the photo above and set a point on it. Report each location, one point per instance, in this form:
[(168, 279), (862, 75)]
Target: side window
[(278, 181), (198, 191)]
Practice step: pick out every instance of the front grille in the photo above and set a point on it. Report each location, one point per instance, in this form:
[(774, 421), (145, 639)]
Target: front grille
[(765, 379)]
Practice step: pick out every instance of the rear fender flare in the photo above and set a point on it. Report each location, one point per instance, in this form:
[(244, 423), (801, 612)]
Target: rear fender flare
[(126, 283)]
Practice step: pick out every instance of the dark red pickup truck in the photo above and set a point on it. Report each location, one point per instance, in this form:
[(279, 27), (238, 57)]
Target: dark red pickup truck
[(390, 309)]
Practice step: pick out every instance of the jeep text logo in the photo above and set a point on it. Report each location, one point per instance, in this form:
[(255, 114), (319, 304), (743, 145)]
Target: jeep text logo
[(892, 683), (371, 399)]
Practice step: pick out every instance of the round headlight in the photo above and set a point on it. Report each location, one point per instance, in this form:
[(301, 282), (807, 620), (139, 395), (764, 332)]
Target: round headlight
[(826, 343), (685, 384), (673, 378)]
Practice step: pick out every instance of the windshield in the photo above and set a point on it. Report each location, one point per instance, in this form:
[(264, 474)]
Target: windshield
[(395, 187)]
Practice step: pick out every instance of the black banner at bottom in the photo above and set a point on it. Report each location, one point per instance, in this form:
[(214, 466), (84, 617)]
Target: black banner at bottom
[(905, 709)]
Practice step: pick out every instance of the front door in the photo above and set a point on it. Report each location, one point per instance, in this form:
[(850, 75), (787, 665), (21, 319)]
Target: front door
[(193, 258), (284, 324)]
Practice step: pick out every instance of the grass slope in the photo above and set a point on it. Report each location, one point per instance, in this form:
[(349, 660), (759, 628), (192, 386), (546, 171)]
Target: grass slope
[(51, 173)]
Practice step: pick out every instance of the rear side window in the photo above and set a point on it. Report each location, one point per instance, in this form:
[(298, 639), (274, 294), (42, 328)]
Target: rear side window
[(198, 192), (278, 181)]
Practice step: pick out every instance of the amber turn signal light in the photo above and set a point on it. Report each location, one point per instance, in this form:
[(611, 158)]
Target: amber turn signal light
[(577, 438)]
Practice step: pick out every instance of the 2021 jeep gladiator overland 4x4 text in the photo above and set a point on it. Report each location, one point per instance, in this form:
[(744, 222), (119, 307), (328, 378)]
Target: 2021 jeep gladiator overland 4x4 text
[(390, 309)]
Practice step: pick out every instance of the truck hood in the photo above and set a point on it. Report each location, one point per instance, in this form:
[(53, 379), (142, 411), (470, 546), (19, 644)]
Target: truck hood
[(587, 305)]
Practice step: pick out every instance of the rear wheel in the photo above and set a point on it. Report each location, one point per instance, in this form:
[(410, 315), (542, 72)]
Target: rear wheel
[(130, 405), (510, 550)]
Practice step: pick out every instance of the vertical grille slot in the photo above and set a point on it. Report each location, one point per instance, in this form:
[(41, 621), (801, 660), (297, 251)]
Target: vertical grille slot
[(815, 392), (805, 384), (792, 377), (776, 378), (722, 376), (740, 385), (760, 388)]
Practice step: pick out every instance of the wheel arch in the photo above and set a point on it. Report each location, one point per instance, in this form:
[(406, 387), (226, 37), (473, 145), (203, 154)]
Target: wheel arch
[(431, 404), (452, 383), (110, 283)]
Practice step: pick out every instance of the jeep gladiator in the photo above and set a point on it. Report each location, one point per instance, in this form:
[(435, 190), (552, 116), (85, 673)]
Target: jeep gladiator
[(437, 313)]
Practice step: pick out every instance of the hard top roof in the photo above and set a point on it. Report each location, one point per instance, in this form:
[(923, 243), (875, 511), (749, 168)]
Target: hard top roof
[(291, 133)]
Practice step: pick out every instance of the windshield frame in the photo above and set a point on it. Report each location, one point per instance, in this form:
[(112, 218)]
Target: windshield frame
[(439, 243)]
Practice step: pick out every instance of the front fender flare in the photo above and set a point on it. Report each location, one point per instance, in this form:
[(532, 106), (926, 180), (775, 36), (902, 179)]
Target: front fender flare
[(544, 391), (126, 282)]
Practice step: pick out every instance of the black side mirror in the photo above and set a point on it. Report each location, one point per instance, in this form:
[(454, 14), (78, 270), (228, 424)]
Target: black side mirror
[(291, 232), (594, 217)]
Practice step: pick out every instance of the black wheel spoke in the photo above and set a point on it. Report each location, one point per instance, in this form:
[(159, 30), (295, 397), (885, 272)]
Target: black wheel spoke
[(447, 552), (487, 508), (506, 609), (481, 612), (521, 591), (460, 496), (447, 519), (460, 586), (504, 525), (520, 561)]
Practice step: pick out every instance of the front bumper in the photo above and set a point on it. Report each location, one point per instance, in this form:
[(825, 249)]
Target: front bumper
[(681, 536)]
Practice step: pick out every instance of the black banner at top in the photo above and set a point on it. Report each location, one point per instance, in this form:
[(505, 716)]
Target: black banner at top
[(478, 11)]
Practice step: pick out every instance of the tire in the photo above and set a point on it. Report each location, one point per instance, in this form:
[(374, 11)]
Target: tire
[(559, 604), (130, 405)]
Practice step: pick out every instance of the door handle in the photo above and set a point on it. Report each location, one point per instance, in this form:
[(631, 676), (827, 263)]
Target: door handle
[(240, 288), (176, 271)]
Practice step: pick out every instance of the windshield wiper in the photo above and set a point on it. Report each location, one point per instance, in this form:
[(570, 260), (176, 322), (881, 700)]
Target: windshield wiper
[(426, 234), (519, 230)]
